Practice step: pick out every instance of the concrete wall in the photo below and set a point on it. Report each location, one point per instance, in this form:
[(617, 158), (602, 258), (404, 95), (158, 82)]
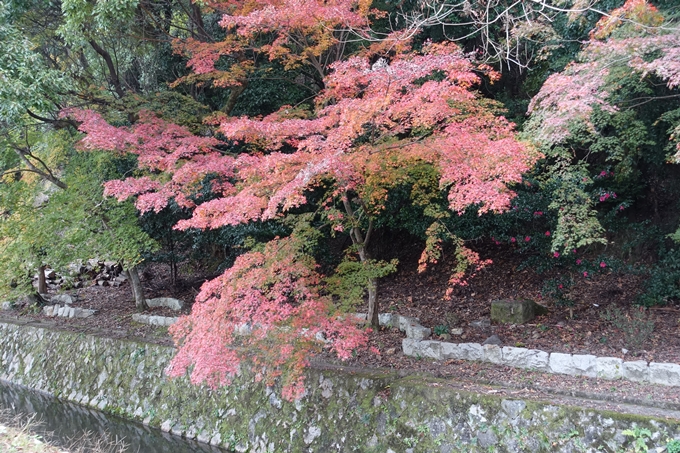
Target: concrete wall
[(365, 411)]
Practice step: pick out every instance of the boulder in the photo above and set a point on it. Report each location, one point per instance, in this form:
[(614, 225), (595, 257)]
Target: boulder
[(62, 299), (493, 339), (169, 302), (510, 311)]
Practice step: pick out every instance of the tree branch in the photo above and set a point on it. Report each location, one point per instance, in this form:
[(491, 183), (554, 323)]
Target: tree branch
[(113, 74)]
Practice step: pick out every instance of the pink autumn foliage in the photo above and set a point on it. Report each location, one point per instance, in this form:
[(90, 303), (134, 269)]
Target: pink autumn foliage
[(413, 118), (267, 301), (570, 96)]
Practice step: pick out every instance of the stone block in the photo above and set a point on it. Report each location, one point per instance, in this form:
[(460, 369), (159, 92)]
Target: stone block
[(512, 311), (138, 317), (637, 371), (451, 351), (462, 351), (83, 312), (71, 312), (584, 365), (405, 321), (664, 373), (513, 407), (609, 367), (387, 319), (532, 359), (493, 354), (431, 349), (62, 299), (47, 310), (573, 365), (410, 347), (169, 302), (417, 332), (560, 363)]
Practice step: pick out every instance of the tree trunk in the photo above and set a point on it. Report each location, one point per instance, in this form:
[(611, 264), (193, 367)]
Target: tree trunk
[(236, 91), (42, 281), (137, 289), (361, 242), (373, 303)]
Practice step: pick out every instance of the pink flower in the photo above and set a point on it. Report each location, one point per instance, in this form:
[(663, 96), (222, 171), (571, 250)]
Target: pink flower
[(578, 261), (603, 173), (585, 274), (603, 264), (512, 239), (574, 251), (559, 286), (527, 239), (556, 254), (538, 213), (547, 233)]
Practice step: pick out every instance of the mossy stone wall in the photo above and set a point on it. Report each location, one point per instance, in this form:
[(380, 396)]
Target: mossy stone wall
[(341, 412)]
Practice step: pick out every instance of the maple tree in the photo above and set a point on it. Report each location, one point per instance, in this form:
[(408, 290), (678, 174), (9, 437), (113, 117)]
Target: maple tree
[(289, 40), (596, 106), (372, 123)]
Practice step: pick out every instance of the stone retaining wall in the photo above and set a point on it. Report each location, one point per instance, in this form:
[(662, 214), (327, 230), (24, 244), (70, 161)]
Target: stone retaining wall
[(417, 345), (342, 411)]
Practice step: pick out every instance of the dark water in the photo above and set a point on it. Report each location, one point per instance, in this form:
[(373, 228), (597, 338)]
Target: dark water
[(64, 421)]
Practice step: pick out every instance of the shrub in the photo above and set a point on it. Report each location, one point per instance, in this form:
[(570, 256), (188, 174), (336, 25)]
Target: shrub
[(635, 325)]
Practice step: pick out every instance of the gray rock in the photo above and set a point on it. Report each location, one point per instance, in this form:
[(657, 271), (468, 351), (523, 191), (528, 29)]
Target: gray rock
[(511, 311), (169, 302), (83, 313), (493, 354), (387, 319), (312, 433), (457, 331), (404, 321), (462, 351), (411, 347), (487, 439), (166, 426), (573, 365), (138, 317), (216, 439), (609, 367), (47, 310), (560, 363), (513, 407), (7, 305), (637, 371), (431, 349), (481, 324), (62, 299), (493, 339), (584, 365), (417, 332), (664, 373), (532, 359)]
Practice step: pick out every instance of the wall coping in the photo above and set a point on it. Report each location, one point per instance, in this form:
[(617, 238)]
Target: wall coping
[(417, 344)]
